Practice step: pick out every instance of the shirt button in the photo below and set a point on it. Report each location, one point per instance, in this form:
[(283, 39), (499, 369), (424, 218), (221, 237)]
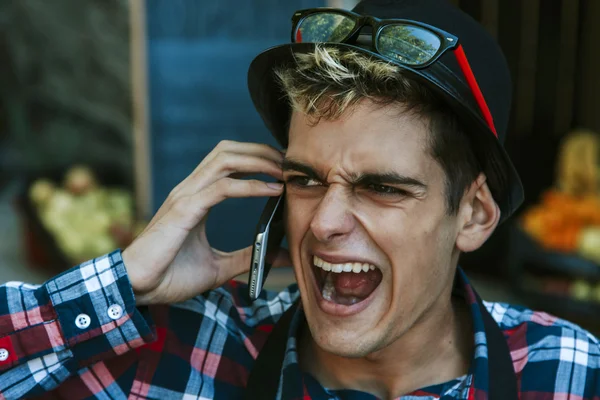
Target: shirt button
[(3, 354), (115, 311), (83, 321)]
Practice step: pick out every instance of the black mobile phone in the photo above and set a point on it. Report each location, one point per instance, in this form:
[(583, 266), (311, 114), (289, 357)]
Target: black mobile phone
[(269, 235)]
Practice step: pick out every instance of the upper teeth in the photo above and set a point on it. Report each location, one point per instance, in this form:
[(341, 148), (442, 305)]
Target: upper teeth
[(345, 267)]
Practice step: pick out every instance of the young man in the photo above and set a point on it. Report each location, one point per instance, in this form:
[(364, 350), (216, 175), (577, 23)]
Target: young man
[(393, 167)]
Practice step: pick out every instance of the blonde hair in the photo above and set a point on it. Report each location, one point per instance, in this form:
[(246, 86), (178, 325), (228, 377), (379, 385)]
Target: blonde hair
[(328, 82)]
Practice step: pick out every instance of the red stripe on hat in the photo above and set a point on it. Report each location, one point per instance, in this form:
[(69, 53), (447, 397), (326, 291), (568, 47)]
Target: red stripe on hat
[(298, 36), (468, 72)]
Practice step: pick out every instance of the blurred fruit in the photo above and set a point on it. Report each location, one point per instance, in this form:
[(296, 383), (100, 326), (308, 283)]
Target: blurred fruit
[(101, 244), (86, 219), (120, 206), (581, 290), (79, 179), (579, 162), (71, 242), (563, 213), (589, 244), (60, 203), (41, 191), (596, 293), (559, 220)]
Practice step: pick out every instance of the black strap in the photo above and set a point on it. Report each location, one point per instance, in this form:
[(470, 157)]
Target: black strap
[(502, 378), (263, 381)]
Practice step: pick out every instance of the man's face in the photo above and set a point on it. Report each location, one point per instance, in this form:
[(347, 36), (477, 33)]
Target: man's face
[(364, 193)]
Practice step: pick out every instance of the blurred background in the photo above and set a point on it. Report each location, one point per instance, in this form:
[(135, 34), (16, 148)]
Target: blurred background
[(107, 105)]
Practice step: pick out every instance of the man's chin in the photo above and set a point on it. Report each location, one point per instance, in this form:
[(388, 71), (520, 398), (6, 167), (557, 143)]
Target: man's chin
[(340, 329), (337, 346), (346, 340)]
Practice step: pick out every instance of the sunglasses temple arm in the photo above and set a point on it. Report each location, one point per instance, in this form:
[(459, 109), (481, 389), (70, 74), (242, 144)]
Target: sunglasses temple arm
[(466, 69)]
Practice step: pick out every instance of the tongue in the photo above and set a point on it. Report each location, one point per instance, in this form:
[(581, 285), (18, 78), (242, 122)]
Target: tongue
[(361, 285)]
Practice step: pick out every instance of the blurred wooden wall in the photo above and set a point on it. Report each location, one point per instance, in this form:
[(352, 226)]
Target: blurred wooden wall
[(552, 50)]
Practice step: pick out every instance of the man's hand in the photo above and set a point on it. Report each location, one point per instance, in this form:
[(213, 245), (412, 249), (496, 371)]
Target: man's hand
[(171, 260)]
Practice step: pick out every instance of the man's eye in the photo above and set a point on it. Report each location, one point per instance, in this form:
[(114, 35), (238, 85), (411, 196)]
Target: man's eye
[(386, 190), (303, 181)]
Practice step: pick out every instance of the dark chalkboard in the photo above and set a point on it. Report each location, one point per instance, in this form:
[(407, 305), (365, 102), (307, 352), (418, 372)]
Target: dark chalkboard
[(198, 55)]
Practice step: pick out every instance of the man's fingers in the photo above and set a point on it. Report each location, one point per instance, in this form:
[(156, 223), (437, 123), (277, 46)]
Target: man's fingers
[(250, 149), (228, 164), (186, 211), (233, 264), (253, 149), (234, 188)]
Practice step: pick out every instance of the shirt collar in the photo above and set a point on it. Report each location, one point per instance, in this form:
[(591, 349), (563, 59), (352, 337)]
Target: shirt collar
[(292, 385)]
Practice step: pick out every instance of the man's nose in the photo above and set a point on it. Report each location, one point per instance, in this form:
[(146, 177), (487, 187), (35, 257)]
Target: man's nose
[(333, 218)]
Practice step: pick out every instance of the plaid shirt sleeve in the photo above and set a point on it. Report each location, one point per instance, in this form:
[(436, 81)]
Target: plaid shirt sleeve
[(49, 332), (564, 360), (553, 358)]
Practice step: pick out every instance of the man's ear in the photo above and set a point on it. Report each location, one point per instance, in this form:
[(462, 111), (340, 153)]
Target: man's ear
[(478, 216)]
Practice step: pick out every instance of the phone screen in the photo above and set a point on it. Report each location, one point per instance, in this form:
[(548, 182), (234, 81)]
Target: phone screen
[(269, 235)]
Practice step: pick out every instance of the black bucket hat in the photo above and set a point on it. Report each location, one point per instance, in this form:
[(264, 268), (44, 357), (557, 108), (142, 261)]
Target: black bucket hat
[(443, 77)]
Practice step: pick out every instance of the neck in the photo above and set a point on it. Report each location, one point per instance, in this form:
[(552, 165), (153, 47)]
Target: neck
[(436, 349)]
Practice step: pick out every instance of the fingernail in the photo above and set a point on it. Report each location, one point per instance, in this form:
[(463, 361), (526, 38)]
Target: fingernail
[(274, 185)]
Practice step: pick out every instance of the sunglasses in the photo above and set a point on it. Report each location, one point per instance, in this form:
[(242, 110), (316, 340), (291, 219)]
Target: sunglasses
[(411, 43)]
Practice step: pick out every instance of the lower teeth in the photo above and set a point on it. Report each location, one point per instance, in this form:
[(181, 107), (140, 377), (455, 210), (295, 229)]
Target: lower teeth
[(330, 294), (328, 288)]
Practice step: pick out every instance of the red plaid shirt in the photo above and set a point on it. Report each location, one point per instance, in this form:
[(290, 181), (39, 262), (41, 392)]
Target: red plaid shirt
[(80, 336)]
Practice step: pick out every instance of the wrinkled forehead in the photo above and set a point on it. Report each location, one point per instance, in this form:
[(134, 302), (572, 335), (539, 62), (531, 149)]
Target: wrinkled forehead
[(366, 136)]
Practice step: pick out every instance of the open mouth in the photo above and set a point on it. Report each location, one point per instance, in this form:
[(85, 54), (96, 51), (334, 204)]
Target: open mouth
[(345, 283)]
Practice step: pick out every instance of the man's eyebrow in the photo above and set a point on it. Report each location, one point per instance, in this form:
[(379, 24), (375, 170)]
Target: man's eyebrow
[(387, 178), (363, 179), (293, 165)]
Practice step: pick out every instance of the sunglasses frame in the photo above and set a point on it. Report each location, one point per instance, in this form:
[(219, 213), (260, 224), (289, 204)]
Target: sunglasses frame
[(447, 40)]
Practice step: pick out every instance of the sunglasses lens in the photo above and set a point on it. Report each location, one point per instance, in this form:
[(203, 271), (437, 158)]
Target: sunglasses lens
[(324, 27), (408, 44)]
